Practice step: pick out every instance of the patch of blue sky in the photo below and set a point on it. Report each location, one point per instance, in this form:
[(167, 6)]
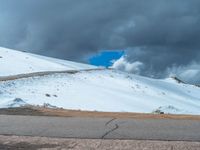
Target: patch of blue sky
[(105, 58)]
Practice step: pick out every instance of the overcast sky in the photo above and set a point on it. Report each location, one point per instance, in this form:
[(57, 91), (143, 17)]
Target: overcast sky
[(160, 37)]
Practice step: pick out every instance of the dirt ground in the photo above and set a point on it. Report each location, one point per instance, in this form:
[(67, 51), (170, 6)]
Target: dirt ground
[(44, 143), (42, 111)]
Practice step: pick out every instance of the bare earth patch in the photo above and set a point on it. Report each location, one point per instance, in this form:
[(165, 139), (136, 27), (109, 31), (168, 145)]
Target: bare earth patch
[(42, 111), (44, 143)]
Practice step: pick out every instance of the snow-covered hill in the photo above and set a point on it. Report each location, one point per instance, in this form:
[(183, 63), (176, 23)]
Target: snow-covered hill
[(15, 62), (100, 90)]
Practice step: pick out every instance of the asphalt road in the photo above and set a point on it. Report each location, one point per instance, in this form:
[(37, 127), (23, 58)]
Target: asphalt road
[(43, 73), (101, 128)]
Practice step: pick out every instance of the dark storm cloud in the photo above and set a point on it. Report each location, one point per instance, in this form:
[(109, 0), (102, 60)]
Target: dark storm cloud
[(159, 33), (62, 28)]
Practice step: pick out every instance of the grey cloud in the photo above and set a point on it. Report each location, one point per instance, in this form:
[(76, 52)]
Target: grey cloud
[(159, 33)]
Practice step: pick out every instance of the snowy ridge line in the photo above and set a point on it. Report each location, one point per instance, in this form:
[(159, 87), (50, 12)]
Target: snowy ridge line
[(37, 74)]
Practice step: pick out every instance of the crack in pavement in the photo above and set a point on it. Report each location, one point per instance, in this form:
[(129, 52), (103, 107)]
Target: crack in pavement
[(111, 130), (108, 132), (110, 121)]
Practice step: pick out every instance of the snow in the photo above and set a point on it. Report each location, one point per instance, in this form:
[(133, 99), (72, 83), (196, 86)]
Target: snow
[(14, 62), (103, 90), (95, 90)]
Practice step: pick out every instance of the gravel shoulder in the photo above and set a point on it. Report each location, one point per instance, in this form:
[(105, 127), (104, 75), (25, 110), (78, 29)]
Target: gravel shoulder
[(44, 143)]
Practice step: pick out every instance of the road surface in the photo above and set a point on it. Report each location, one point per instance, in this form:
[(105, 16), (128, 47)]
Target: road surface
[(100, 128), (44, 73)]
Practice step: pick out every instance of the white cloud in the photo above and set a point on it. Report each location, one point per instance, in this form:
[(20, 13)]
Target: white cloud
[(123, 65), (189, 73)]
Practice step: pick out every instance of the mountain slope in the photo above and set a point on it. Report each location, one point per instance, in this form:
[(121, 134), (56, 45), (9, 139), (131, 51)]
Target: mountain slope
[(101, 90), (15, 62)]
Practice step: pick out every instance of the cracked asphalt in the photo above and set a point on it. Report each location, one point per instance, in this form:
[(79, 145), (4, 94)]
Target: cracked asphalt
[(100, 128)]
